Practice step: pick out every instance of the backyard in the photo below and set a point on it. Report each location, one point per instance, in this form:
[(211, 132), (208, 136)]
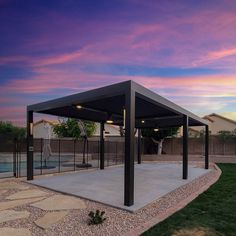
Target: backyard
[(212, 213)]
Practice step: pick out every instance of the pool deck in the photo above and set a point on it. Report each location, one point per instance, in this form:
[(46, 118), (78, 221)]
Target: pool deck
[(152, 181)]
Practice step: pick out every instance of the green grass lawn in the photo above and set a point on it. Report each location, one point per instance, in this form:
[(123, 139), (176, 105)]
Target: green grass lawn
[(211, 213)]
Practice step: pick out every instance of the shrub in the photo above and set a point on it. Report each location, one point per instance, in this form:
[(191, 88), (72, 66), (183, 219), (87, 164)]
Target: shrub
[(96, 218)]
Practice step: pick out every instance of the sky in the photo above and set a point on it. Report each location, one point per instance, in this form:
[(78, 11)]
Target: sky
[(183, 50)]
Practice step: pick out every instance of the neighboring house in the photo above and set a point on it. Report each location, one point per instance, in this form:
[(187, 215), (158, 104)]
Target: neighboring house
[(44, 129), (192, 132), (110, 130), (217, 123)]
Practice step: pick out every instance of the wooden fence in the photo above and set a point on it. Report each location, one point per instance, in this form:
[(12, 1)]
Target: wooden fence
[(217, 146), (172, 146)]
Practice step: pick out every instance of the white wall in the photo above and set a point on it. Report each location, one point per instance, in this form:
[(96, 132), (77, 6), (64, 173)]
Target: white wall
[(39, 131)]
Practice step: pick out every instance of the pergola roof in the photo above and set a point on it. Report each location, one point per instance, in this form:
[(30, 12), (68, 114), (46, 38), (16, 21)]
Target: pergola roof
[(109, 101)]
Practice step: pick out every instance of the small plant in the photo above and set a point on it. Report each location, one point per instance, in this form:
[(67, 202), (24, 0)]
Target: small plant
[(96, 218)]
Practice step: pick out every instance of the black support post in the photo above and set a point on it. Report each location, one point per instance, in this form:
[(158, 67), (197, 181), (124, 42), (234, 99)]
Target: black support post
[(30, 146), (102, 145), (206, 147), (129, 147), (139, 146), (185, 147)]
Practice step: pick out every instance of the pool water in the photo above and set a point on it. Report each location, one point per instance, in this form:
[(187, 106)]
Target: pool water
[(8, 166)]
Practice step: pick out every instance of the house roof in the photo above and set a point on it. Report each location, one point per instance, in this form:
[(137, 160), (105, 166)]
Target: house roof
[(45, 121), (219, 116), (109, 101), (207, 117)]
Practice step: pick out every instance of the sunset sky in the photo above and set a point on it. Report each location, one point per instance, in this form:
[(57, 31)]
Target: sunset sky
[(182, 50)]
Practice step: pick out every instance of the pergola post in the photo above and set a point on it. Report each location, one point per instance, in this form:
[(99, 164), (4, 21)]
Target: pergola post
[(30, 146), (129, 147), (139, 146), (185, 147), (102, 145), (206, 147)]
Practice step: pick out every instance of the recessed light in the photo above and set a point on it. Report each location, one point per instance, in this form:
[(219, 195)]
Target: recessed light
[(143, 121), (79, 107), (156, 129)]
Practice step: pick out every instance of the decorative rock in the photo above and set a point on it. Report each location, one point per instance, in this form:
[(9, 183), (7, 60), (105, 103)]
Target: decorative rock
[(32, 193), (14, 232), (50, 218), (10, 204), (12, 185), (2, 191), (8, 215), (60, 202)]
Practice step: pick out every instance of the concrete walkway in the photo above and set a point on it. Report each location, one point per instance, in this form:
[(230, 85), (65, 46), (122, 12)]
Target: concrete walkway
[(152, 181)]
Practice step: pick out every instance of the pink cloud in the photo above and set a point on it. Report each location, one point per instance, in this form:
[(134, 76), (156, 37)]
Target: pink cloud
[(194, 93), (50, 80), (58, 59), (222, 53)]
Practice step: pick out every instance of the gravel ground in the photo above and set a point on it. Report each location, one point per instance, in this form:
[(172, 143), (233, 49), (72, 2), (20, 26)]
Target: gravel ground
[(118, 222)]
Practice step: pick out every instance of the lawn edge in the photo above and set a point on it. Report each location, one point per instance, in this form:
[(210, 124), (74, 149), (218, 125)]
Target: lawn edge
[(216, 173)]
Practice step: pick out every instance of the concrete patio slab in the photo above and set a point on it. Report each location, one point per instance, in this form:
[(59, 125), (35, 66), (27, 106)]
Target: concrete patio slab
[(152, 181), (50, 219), (8, 215), (60, 202), (32, 193), (14, 232)]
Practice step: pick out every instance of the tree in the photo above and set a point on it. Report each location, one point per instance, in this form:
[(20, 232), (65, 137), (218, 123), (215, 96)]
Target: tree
[(70, 128), (226, 134), (9, 132), (155, 138)]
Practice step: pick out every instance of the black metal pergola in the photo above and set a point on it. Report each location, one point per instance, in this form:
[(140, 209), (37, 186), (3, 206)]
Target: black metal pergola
[(128, 104)]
